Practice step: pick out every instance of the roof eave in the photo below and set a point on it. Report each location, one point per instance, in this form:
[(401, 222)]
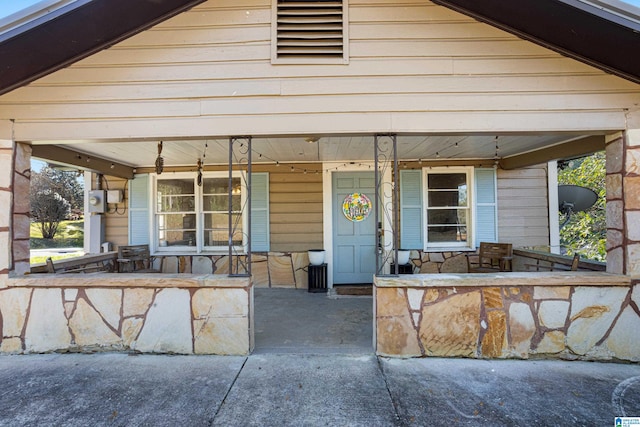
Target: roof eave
[(74, 32), (595, 36)]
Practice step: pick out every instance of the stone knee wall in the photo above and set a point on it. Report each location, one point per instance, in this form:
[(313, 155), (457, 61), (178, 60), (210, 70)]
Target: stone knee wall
[(573, 322), (438, 262), (269, 270), (142, 313)]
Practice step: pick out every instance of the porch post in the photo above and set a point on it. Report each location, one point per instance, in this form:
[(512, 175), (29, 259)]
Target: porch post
[(386, 202), (15, 171), (623, 200), (240, 157)]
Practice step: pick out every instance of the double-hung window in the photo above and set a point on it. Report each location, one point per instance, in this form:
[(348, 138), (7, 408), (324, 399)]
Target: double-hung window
[(194, 218), (448, 207)]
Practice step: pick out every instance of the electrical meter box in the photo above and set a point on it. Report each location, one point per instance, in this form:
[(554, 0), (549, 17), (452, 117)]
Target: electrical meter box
[(97, 201), (114, 196)]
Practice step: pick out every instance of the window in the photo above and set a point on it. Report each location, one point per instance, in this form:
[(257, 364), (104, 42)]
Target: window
[(448, 207), (189, 217), (309, 31)]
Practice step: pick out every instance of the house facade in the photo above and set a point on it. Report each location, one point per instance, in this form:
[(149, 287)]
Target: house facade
[(392, 125)]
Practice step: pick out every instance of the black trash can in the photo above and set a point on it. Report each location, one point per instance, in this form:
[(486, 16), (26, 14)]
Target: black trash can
[(318, 278)]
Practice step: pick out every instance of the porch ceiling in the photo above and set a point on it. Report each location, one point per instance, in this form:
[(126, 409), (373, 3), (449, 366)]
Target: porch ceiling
[(307, 149)]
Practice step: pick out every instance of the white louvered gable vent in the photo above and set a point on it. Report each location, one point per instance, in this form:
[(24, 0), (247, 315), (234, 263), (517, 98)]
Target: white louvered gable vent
[(310, 29)]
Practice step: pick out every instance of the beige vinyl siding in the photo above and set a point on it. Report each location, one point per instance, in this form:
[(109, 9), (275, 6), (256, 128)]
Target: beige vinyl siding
[(295, 208), (414, 67), (117, 216), (523, 212)]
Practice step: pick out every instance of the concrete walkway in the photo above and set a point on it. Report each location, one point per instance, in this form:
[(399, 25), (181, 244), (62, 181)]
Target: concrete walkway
[(295, 390), (296, 321), (313, 366)]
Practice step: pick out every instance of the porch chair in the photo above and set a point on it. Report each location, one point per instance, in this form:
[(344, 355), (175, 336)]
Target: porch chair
[(135, 259), (491, 258)]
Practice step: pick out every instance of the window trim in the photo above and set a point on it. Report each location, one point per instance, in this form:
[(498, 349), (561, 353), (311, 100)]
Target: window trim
[(448, 246), (199, 247)]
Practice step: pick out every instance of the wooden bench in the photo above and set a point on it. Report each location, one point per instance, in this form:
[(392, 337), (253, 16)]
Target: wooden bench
[(104, 262), (491, 258), (135, 259)]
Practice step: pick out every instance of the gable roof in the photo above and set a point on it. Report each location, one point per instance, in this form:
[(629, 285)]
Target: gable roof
[(79, 29), (604, 34), (601, 37)]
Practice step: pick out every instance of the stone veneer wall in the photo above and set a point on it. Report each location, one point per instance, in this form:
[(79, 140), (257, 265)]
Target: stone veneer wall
[(148, 313), (593, 316), (289, 269), (273, 269), (623, 203)]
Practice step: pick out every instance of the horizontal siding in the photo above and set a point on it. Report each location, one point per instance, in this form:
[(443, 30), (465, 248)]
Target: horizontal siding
[(414, 67), (523, 215), (116, 218), (295, 210), (295, 207)]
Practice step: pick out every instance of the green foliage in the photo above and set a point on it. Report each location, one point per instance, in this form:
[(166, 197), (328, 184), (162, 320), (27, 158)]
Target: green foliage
[(70, 234), (54, 194), (586, 232)]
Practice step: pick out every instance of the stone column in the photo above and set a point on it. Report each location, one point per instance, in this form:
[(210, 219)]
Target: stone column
[(615, 204), (15, 169), (21, 168), (623, 200), (631, 202)]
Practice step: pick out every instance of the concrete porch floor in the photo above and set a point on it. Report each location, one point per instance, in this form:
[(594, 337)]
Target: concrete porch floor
[(294, 321)]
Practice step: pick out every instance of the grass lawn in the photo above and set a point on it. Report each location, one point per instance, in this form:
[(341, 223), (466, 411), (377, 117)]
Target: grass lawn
[(70, 235)]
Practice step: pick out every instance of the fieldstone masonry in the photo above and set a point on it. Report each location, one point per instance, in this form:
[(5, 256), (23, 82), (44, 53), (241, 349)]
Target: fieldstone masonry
[(591, 316), (623, 203), (147, 313), (268, 269)]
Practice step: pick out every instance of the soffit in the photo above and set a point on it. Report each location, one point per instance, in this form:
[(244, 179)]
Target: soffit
[(320, 149)]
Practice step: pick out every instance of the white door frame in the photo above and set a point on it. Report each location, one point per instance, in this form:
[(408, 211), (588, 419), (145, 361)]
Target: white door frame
[(329, 169)]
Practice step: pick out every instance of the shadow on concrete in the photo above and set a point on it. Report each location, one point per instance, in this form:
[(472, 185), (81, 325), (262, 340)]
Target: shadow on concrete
[(294, 321)]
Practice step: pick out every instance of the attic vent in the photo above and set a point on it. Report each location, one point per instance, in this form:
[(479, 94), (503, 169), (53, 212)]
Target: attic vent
[(310, 29)]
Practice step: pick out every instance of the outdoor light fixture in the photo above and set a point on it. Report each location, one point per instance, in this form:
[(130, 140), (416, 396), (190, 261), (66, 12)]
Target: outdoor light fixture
[(159, 159)]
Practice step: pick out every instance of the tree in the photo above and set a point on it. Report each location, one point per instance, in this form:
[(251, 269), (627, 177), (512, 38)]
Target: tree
[(586, 232), (53, 195)]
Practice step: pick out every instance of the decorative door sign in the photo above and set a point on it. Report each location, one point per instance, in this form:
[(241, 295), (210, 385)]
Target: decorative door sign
[(356, 207)]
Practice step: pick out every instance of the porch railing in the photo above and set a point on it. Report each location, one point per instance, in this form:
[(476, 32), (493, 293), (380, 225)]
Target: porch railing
[(530, 260)]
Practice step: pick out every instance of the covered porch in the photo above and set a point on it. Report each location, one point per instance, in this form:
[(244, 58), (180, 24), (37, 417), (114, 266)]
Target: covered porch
[(434, 128)]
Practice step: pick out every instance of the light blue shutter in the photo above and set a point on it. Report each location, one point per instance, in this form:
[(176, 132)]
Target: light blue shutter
[(486, 225), (411, 228), (139, 210), (260, 212)]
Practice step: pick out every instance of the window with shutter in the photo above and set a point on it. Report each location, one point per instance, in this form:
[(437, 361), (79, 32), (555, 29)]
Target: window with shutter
[(311, 31), (448, 203)]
